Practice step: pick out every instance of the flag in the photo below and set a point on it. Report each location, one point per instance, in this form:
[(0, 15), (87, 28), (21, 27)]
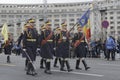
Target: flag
[(88, 31), (84, 21), (4, 32)]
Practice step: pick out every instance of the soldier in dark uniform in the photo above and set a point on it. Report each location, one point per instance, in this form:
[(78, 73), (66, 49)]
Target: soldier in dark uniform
[(79, 44), (63, 47), (47, 46), (58, 55), (19, 42), (30, 42), (8, 47), (42, 61)]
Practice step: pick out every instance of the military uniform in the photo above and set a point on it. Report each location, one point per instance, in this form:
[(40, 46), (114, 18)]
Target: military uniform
[(47, 45), (30, 42), (58, 53), (63, 47), (80, 49), (43, 60)]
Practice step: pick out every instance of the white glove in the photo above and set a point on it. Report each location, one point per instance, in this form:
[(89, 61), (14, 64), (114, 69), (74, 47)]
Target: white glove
[(38, 49), (24, 49), (54, 48)]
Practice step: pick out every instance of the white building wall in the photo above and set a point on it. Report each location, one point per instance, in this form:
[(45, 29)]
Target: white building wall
[(59, 12)]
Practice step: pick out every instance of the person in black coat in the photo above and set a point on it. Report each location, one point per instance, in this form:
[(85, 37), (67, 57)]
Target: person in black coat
[(63, 47), (8, 47), (30, 42), (58, 54), (79, 43), (47, 45)]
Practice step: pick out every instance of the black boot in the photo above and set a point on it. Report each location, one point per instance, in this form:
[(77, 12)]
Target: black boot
[(33, 70), (77, 65), (8, 59), (26, 63), (28, 70), (62, 66), (85, 65), (47, 70), (41, 63), (60, 61), (55, 63), (68, 66)]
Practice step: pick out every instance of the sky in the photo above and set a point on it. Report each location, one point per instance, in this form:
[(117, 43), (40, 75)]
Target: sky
[(38, 1)]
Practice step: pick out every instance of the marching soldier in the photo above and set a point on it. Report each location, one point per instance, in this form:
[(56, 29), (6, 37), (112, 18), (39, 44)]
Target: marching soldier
[(19, 41), (79, 44), (8, 47), (42, 61), (47, 46), (57, 45), (30, 42), (63, 40)]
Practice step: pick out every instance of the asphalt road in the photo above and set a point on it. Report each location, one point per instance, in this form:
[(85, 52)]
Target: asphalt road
[(101, 69)]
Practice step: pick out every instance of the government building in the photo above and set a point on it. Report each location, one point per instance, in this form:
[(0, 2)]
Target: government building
[(16, 15)]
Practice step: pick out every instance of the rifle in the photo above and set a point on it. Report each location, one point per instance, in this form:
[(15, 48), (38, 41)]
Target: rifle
[(71, 29)]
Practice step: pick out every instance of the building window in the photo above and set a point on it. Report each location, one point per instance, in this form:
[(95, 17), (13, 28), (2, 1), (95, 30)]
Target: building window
[(26, 16), (72, 20), (105, 17), (3, 11), (79, 10), (111, 12), (49, 15), (118, 22), (56, 15), (11, 16), (34, 11), (118, 17), (71, 24), (118, 27), (111, 27), (78, 15), (11, 21), (11, 11), (111, 22), (105, 13), (71, 10), (118, 12), (56, 10), (3, 20), (49, 10), (64, 10), (63, 15), (118, 32), (26, 11), (3, 16), (64, 20), (71, 15), (56, 25), (56, 20), (19, 11), (111, 17), (18, 16)]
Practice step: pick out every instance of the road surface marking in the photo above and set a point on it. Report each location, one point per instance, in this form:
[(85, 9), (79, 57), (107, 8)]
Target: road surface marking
[(110, 65), (96, 75), (7, 65)]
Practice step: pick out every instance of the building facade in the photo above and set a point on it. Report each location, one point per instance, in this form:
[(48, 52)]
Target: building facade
[(16, 15)]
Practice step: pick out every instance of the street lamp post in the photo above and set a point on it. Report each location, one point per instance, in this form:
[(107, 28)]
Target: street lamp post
[(45, 10)]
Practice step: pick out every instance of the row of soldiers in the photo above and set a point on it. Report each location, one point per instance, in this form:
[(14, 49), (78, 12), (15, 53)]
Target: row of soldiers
[(50, 43)]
